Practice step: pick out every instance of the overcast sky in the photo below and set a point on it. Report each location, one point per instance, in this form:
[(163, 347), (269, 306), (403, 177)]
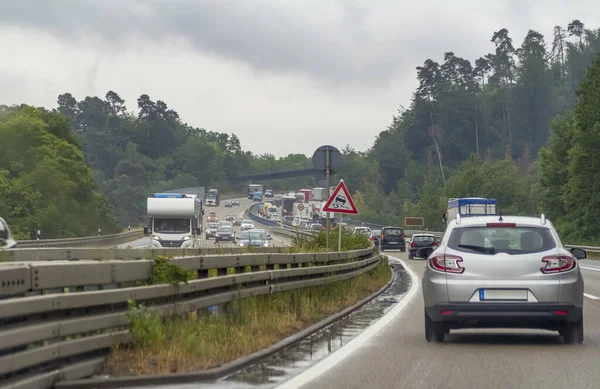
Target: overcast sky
[(284, 75)]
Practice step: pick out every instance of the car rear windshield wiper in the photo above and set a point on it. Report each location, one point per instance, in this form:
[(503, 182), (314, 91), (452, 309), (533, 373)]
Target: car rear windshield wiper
[(481, 249)]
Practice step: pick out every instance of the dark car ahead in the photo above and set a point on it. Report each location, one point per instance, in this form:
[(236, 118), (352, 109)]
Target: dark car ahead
[(392, 238), (225, 234), (228, 204), (229, 218), (374, 237), (422, 245), (211, 230)]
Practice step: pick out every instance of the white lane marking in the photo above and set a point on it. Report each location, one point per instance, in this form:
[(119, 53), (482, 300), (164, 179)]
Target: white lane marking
[(591, 296), (346, 350), (589, 268)]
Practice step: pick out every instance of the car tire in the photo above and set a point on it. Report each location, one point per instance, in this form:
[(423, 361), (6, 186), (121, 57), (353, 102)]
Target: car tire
[(434, 331), (572, 333)]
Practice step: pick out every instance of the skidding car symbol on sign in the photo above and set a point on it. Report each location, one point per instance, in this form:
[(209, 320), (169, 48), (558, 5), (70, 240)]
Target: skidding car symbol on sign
[(341, 201)]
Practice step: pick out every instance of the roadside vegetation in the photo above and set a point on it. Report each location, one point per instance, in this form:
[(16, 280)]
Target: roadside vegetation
[(202, 339)]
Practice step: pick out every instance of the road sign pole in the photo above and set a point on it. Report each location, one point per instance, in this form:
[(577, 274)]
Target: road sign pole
[(340, 234), (328, 180)]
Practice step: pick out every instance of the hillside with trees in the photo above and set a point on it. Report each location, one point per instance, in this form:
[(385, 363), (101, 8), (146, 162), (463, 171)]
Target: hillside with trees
[(516, 124)]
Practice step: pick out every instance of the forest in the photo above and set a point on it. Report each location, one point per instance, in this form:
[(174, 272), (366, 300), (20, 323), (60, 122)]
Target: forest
[(515, 124)]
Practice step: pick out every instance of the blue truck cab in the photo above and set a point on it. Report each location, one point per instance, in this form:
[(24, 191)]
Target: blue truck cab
[(257, 196)]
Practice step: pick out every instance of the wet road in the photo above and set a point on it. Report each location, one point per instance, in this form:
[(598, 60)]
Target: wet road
[(222, 213), (397, 356)]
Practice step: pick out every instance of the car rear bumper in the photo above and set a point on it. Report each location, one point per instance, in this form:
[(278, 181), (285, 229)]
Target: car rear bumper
[(488, 315), (399, 246)]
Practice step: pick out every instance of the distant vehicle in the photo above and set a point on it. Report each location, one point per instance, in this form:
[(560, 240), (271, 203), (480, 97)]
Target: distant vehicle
[(225, 224), (253, 188), (362, 230), (246, 225), (254, 239), (237, 221), (211, 230), (392, 238), (469, 206), (315, 227), (229, 218), (422, 245), (235, 203), (213, 198), (269, 193), (212, 217), (374, 237), (225, 234), (6, 239), (287, 220), (503, 272), (257, 196), (228, 204)]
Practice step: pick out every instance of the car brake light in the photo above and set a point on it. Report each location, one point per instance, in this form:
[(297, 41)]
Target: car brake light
[(446, 263), (506, 225), (435, 244), (558, 264), (403, 237), (412, 244)]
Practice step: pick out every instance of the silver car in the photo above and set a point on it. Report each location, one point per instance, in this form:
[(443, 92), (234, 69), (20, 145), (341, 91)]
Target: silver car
[(503, 272)]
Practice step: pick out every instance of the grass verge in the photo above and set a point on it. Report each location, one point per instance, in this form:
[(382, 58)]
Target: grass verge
[(200, 340)]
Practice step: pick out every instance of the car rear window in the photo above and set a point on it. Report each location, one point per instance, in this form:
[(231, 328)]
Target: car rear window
[(517, 240), (423, 239), (393, 232)]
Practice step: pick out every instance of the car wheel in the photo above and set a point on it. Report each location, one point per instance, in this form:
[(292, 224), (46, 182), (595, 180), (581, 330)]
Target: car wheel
[(572, 333), (434, 331)]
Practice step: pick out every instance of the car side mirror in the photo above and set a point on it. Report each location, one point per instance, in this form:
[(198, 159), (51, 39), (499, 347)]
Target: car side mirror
[(579, 253), (146, 231)]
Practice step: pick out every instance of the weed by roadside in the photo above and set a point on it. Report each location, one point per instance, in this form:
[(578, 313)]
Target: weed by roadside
[(199, 340)]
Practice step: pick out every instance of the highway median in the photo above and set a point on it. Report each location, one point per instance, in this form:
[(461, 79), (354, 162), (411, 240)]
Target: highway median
[(200, 340)]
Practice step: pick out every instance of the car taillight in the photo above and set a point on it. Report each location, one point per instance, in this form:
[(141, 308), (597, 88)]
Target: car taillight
[(413, 244), (403, 237), (435, 244), (446, 263), (558, 264)]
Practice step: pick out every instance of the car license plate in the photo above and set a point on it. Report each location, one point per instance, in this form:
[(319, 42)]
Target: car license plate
[(503, 294), (394, 242)]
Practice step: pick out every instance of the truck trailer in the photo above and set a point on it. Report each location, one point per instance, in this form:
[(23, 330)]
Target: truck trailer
[(213, 199), (175, 220), (470, 206)]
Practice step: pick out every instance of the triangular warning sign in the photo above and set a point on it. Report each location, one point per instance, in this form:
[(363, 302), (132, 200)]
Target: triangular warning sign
[(341, 201)]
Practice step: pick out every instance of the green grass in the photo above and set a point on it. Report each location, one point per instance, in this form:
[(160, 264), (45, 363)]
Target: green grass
[(200, 340)]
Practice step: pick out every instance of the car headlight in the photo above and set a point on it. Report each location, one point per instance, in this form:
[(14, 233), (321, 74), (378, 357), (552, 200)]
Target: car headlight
[(185, 238), (156, 237), (266, 244), (241, 244)]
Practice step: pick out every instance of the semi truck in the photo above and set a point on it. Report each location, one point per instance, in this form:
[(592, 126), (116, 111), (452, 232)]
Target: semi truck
[(287, 207), (213, 199), (175, 220), (468, 207), (253, 188)]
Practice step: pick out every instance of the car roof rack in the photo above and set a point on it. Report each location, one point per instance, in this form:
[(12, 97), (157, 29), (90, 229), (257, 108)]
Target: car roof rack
[(543, 217)]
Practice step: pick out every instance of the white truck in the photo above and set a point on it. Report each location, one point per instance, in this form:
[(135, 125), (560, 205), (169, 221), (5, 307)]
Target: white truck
[(175, 220)]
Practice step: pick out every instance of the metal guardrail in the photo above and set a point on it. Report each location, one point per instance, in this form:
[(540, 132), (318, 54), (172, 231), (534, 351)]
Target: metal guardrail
[(437, 234), (102, 254), (275, 226), (91, 241), (85, 241), (59, 319)]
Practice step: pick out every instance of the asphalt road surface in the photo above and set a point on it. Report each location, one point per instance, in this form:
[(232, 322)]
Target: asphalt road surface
[(393, 352), (222, 213)]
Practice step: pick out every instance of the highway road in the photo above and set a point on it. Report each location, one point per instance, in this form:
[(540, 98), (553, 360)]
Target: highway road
[(393, 353), (222, 212)]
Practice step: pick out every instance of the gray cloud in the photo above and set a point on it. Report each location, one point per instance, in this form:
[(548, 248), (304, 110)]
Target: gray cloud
[(340, 41)]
